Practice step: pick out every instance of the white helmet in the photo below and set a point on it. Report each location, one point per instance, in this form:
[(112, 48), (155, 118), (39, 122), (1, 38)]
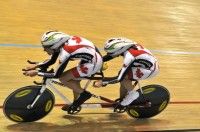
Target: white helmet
[(117, 46), (53, 39)]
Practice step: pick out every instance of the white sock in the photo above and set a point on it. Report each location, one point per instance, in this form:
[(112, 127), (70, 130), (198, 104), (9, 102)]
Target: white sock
[(130, 97)]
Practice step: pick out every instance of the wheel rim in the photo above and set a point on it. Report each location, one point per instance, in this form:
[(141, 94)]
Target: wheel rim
[(157, 95), (15, 105)]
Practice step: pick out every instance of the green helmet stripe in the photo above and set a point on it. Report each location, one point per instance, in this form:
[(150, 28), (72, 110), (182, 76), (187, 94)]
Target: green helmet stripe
[(51, 37), (112, 47)]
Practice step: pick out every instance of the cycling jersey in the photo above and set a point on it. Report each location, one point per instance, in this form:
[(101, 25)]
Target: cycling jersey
[(138, 64), (75, 48)]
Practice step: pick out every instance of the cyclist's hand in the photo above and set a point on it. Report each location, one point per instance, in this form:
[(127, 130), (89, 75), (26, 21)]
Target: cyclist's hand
[(30, 67), (97, 84), (30, 73)]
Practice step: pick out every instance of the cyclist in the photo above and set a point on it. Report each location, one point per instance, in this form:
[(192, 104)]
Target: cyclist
[(138, 64), (66, 48)]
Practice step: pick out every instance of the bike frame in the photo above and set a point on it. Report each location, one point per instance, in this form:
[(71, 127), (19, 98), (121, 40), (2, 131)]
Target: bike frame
[(49, 83)]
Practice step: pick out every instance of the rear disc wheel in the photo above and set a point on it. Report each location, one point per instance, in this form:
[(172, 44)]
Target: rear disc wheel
[(157, 95)]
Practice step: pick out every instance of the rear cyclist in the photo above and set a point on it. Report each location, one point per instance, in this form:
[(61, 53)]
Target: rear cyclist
[(66, 48), (138, 64)]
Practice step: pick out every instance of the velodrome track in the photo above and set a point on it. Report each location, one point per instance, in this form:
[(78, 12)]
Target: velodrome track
[(168, 28)]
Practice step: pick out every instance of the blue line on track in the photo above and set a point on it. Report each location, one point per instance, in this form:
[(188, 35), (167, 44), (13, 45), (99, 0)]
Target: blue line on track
[(154, 51), (20, 45)]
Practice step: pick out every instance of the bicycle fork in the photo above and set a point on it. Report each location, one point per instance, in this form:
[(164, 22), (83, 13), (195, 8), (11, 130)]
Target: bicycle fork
[(30, 106)]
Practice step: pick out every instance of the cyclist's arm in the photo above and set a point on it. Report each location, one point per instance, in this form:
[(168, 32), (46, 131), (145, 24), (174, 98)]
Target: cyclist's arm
[(97, 50), (47, 63), (59, 70), (108, 57)]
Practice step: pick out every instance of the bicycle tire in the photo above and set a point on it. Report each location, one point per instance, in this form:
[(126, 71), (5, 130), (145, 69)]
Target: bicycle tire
[(159, 97), (15, 105)]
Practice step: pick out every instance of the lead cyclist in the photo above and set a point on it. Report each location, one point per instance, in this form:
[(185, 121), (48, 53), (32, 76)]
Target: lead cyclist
[(65, 48)]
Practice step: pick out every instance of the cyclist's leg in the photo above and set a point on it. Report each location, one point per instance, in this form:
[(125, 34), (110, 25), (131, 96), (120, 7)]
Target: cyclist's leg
[(123, 91), (130, 95), (127, 94), (136, 73), (69, 79), (76, 95), (125, 86)]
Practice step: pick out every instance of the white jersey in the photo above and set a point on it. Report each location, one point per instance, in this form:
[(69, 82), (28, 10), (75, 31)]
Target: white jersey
[(143, 64), (82, 49), (138, 63), (78, 48)]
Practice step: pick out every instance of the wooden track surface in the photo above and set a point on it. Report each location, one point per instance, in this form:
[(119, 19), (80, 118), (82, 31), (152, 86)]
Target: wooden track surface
[(169, 28)]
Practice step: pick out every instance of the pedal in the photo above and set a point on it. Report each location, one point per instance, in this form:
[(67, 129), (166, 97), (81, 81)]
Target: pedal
[(120, 109), (118, 100), (73, 110)]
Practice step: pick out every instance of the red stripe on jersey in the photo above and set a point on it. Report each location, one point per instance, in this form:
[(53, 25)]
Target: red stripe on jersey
[(73, 48), (77, 39), (136, 53)]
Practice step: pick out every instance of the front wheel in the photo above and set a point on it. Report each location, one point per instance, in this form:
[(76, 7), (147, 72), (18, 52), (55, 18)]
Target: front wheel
[(15, 105), (159, 97)]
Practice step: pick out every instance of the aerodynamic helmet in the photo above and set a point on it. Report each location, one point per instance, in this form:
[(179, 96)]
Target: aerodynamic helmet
[(53, 39), (117, 46)]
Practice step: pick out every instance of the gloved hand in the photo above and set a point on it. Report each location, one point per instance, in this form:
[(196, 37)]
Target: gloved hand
[(30, 73), (30, 67)]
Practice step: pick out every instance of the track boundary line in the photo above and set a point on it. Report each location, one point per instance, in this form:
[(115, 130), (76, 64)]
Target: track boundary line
[(172, 103), (101, 49)]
